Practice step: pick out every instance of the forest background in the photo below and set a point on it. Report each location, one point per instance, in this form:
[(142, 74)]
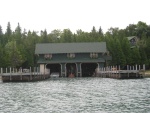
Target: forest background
[(17, 47)]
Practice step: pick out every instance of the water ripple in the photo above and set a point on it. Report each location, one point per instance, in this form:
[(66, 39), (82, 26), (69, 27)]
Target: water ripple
[(72, 95)]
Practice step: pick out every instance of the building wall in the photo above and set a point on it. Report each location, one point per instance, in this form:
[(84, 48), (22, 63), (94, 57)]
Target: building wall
[(42, 68), (78, 57)]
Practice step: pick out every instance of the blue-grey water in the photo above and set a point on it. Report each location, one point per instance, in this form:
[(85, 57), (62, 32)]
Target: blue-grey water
[(76, 95)]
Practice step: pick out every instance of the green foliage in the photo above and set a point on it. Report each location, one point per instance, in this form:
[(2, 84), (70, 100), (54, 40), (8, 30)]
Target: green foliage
[(136, 58), (126, 50), (15, 57), (66, 36)]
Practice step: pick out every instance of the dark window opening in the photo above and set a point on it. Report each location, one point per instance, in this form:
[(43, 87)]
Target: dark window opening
[(54, 68), (88, 69)]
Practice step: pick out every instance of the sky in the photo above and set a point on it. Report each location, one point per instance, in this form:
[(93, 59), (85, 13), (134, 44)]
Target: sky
[(39, 15)]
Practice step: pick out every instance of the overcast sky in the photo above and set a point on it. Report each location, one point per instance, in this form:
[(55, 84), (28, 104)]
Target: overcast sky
[(73, 14)]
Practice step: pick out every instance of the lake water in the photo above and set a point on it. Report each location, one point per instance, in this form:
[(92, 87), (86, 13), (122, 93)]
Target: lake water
[(76, 95)]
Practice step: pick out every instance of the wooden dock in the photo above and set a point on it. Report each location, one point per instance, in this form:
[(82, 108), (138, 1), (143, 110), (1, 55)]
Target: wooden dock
[(133, 72), (13, 75), (23, 77), (20, 76)]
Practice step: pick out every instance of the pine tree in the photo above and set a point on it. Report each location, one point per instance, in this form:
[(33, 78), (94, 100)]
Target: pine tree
[(120, 58), (1, 35), (127, 51), (8, 31), (136, 58)]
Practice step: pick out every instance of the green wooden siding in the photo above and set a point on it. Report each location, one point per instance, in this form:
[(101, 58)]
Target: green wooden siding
[(79, 57)]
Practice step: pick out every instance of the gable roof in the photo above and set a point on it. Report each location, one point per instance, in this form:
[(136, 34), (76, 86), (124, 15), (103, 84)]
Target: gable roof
[(131, 37), (53, 48)]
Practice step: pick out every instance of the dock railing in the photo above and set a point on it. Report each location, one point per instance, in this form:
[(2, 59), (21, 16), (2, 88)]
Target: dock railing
[(31, 74), (116, 72)]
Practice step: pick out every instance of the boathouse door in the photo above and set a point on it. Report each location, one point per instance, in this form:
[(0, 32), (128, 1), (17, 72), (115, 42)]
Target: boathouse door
[(71, 69), (88, 69)]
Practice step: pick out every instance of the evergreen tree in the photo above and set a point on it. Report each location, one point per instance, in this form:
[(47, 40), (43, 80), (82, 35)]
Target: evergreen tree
[(55, 35), (127, 51), (8, 31), (14, 56), (45, 37), (94, 35), (66, 36), (144, 59), (18, 34), (136, 58), (120, 58), (1, 35)]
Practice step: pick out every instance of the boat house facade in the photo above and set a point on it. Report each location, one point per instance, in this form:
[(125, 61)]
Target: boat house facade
[(71, 59)]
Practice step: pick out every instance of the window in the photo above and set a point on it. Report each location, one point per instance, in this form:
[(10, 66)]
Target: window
[(71, 55), (94, 55), (48, 56)]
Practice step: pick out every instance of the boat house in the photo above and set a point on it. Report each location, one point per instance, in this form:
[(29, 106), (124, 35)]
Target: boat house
[(72, 59)]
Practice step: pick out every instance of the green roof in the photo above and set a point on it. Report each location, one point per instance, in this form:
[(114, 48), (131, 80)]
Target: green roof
[(54, 48)]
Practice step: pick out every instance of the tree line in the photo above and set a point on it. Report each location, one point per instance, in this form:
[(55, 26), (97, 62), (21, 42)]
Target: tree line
[(17, 47)]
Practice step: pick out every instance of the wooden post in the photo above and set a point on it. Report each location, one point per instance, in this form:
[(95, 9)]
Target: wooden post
[(127, 67), (21, 72), (144, 67), (128, 71), (30, 74), (44, 71), (136, 67), (10, 74), (136, 70), (34, 71), (110, 71), (1, 70), (105, 72), (119, 71), (139, 67), (116, 72), (6, 69), (37, 71)]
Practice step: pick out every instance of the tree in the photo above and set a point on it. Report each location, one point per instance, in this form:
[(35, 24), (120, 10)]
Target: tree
[(126, 50), (1, 35), (14, 56), (55, 35), (1, 32), (94, 35), (141, 28), (136, 58), (44, 36), (8, 31), (66, 36), (120, 58), (100, 31), (18, 34), (144, 59), (131, 30)]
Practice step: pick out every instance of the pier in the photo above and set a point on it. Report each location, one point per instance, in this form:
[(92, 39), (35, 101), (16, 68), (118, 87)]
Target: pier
[(29, 75), (22, 75), (132, 72)]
